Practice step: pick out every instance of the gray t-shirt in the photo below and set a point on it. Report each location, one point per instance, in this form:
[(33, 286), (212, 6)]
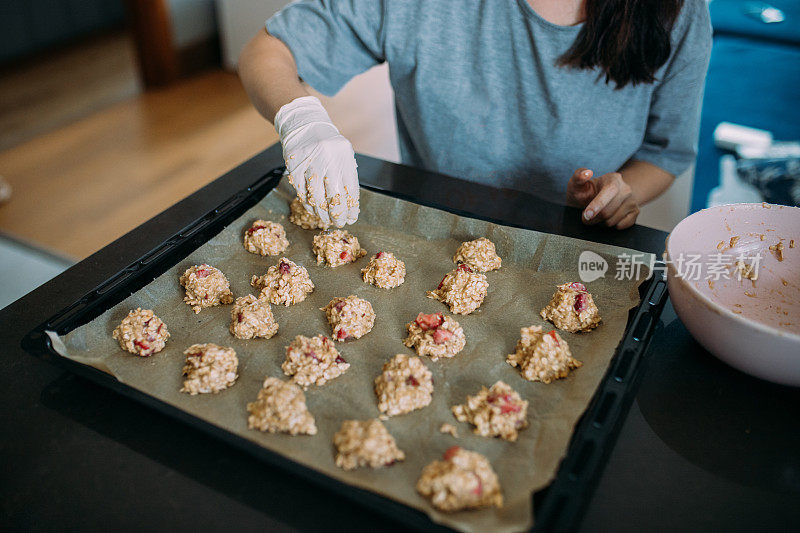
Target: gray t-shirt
[(478, 93)]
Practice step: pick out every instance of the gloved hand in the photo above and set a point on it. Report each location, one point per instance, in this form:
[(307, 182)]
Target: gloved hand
[(320, 161)]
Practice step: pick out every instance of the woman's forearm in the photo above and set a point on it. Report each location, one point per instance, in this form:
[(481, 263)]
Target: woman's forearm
[(269, 74), (646, 180)]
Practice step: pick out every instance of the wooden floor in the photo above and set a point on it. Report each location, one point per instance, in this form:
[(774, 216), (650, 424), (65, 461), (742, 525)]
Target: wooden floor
[(81, 185)]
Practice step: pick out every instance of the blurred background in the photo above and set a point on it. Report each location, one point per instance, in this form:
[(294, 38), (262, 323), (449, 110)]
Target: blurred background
[(113, 110)]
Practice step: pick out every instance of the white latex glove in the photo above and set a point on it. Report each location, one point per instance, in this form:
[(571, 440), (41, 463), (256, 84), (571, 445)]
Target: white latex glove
[(320, 161)]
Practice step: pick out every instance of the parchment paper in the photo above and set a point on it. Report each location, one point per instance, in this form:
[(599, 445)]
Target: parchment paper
[(426, 239)]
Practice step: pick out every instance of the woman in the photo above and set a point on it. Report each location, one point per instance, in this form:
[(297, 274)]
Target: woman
[(513, 93)]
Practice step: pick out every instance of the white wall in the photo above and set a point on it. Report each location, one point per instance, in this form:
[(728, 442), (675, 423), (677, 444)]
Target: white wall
[(239, 20)]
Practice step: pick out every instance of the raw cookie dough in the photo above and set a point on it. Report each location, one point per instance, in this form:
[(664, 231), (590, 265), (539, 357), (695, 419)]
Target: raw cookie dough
[(350, 317), (462, 289), (405, 385), (141, 333), (205, 286), (209, 368), (450, 429), (572, 309), (281, 407), (313, 361), (251, 318), (462, 480), (336, 248), (365, 443), (495, 412), (303, 218), (286, 283), (479, 254), (542, 356), (265, 238), (435, 335), (384, 270)]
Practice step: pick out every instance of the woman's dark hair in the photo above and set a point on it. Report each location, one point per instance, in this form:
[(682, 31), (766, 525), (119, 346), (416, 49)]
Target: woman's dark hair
[(627, 40)]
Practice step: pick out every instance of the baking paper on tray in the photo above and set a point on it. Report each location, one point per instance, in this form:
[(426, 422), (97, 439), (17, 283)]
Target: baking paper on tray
[(426, 239)]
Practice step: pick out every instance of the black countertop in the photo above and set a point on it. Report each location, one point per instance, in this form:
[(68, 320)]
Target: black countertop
[(702, 447)]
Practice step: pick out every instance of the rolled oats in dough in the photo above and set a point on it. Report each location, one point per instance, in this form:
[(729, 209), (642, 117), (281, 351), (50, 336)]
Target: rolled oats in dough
[(350, 318), (265, 238), (141, 333), (252, 318), (479, 254), (461, 480), (365, 443), (435, 335), (572, 309), (209, 368), (300, 217), (313, 361), (449, 429), (286, 283), (384, 270), (404, 385), (542, 356), (205, 286), (336, 248), (281, 408), (462, 289), (495, 412)]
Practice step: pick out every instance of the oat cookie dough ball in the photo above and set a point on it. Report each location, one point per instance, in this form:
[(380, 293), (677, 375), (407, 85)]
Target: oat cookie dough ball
[(461, 480), (542, 356), (365, 443), (265, 238), (572, 309), (141, 333), (405, 385), (350, 318), (495, 412), (435, 335), (209, 368), (281, 408), (313, 361), (205, 286), (384, 270), (479, 254), (336, 248), (462, 289), (286, 283), (300, 217), (252, 318)]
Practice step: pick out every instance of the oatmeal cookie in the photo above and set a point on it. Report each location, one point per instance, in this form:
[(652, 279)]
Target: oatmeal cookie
[(479, 254), (205, 286), (384, 271), (541, 356), (435, 335), (141, 333), (495, 412), (286, 283), (365, 443), (313, 361), (461, 480), (252, 318), (300, 217), (572, 309), (281, 408), (265, 238), (350, 318), (405, 385), (209, 368), (462, 289), (336, 248)]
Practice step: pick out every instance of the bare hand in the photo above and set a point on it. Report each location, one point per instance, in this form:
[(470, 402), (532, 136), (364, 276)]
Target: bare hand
[(607, 199)]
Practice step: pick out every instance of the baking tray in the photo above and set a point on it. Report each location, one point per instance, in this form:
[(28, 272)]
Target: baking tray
[(558, 507)]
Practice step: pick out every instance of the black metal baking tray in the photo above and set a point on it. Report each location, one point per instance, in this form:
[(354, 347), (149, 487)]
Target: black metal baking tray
[(557, 507)]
